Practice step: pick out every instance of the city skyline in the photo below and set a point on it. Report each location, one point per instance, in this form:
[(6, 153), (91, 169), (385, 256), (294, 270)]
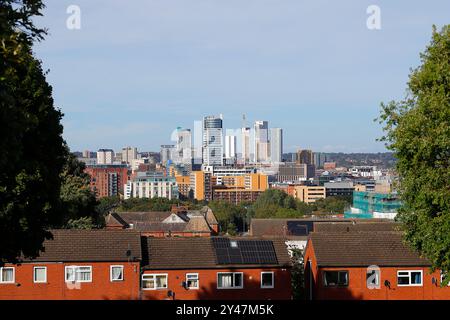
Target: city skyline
[(313, 68)]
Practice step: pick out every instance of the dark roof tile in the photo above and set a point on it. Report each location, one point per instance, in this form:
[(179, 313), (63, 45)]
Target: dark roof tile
[(91, 245), (351, 249)]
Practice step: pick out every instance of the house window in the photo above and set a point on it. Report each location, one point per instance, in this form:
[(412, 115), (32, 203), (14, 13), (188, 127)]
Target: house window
[(335, 278), (40, 274), (230, 280), (116, 273), (409, 278), (154, 281), (7, 275), (267, 280), (79, 274), (192, 280)]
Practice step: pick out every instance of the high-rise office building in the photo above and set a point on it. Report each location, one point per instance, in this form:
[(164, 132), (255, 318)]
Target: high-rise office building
[(305, 156), (183, 148), (167, 151), (212, 144), (319, 159), (245, 145), (276, 145), (230, 147), (129, 154), (261, 142), (105, 156)]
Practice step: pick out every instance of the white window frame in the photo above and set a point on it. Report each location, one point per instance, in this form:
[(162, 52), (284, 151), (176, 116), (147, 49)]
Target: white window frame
[(111, 273), (409, 277), (273, 280), (34, 274), (76, 270), (13, 277), (233, 280), (198, 281), (154, 275)]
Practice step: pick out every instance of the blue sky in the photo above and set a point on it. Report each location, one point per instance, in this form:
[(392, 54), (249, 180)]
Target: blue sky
[(138, 69)]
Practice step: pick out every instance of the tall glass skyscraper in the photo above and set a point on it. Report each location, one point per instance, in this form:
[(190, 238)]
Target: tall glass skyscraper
[(261, 142), (183, 147), (212, 141), (276, 145)]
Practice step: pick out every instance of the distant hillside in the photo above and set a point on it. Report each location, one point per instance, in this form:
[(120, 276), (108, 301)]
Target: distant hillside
[(382, 160)]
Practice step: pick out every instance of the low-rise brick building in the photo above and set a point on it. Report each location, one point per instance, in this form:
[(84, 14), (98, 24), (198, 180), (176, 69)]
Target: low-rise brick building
[(367, 265), (78, 265), (122, 264), (215, 268)]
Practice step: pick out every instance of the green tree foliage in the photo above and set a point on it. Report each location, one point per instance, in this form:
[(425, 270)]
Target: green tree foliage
[(77, 199), (31, 136), (298, 274), (275, 203), (270, 202), (107, 204), (418, 131), (337, 204), (81, 223), (231, 217), (155, 204)]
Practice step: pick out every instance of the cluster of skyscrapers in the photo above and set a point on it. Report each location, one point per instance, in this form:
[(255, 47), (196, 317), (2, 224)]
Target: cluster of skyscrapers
[(218, 147)]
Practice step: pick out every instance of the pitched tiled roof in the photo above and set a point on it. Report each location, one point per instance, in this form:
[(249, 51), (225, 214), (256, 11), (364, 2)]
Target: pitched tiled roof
[(265, 227), (355, 226), (91, 245), (114, 220), (347, 249), (289, 227), (193, 221), (197, 224), (197, 252), (153, 216), (294, 229), (159, 226), (173, 253), (210, 217)]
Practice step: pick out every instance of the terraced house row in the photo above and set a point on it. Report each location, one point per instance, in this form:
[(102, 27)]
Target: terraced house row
[(342, 260), (121, 264)]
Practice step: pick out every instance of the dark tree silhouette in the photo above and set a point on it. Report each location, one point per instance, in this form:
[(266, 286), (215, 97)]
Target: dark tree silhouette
[(32, 146)]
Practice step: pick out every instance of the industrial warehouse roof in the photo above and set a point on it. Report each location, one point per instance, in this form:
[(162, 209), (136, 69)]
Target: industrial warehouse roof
[(91, 245), (203, 253), (362, 249)]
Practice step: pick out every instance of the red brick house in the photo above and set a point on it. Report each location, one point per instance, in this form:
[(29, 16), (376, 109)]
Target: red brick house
[(215, 268), (367, 265), (181, 223), (78, 264)]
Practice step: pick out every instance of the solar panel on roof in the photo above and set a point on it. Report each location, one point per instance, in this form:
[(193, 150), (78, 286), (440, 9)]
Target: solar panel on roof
[(246, 252)]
